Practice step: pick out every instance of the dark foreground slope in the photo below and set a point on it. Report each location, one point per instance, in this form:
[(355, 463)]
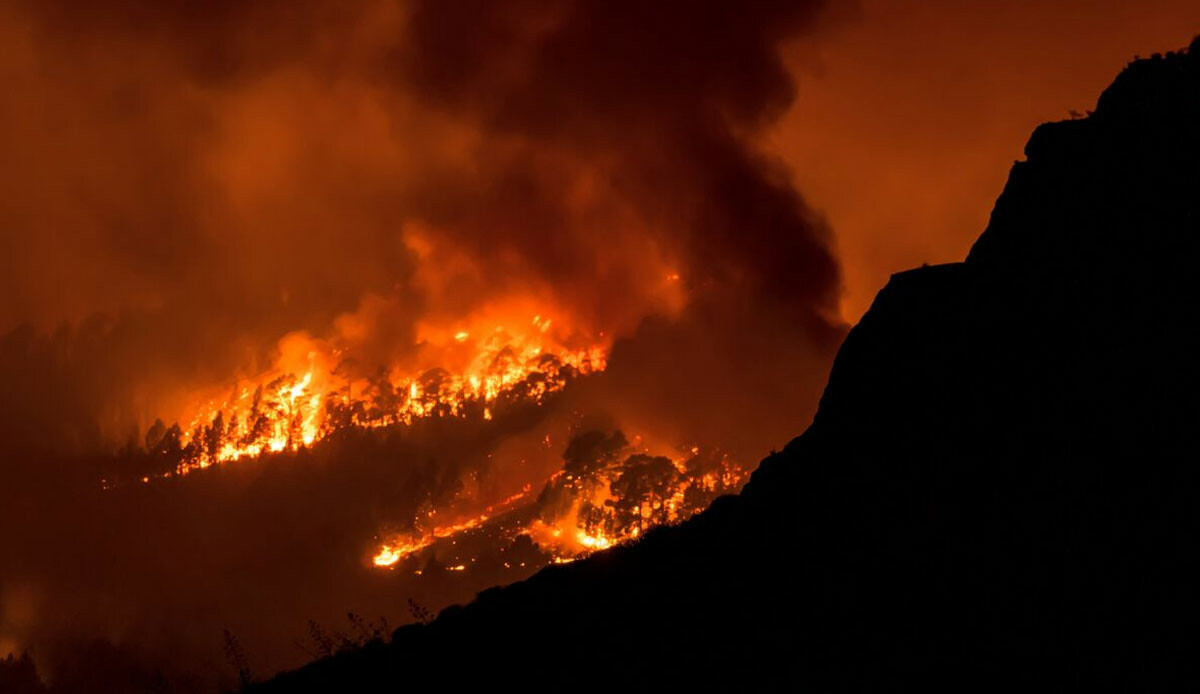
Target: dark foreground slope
[(1001, 484)]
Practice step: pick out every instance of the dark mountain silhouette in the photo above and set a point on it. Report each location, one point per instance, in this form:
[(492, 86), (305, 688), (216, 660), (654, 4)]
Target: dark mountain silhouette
[(1000, 487)]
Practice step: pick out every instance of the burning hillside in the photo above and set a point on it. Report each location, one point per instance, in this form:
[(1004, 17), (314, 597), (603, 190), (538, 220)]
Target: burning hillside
[(284, 411), (312, 290), (607, 492)]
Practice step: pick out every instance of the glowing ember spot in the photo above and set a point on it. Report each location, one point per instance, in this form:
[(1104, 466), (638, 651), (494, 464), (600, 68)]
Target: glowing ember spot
[(593, 542), (387, 556)]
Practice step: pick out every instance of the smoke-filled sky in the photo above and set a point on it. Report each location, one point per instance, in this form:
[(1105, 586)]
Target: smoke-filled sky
[(711, 189)]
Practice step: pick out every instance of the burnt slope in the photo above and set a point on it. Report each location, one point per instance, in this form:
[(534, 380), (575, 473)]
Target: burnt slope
[(1000, 484)]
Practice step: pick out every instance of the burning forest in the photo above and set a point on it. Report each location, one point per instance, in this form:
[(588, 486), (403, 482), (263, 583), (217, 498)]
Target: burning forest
[(320, 308), (606, 493), (368, 307), (608, 490), (284, 411)]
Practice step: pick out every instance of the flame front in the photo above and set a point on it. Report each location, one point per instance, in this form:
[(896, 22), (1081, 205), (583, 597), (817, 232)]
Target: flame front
[(608, 492), (286, 410), (593, 504), (401, 547)]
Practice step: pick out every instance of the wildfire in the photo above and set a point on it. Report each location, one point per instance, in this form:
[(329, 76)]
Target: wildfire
[(284, 410), (607, 492), (605, 495)]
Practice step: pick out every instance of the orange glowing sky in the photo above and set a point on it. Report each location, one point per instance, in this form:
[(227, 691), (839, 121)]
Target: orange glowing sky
[(910, 111)]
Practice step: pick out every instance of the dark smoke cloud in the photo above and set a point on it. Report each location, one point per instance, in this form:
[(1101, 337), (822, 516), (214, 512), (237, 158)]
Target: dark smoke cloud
[(188, 182), (659, 102), (659, 106)]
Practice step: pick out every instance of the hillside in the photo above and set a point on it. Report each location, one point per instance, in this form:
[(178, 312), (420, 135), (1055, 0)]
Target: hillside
[(1000, 484)]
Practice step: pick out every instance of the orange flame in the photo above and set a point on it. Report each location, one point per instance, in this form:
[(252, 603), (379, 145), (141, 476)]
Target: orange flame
[(399, 548), (280, 411), (614, 504)]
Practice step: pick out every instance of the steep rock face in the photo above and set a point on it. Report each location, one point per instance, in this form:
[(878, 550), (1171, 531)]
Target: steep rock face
[(1000, 484)]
